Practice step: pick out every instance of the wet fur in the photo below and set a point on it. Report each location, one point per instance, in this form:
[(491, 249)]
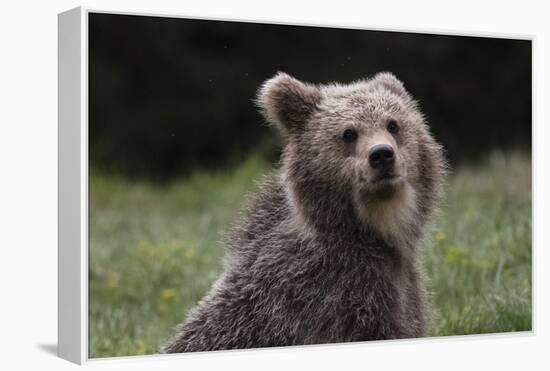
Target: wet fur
[(320, 257)]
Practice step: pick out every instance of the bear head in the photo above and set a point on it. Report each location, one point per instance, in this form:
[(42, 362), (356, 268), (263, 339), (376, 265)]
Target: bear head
[(358, 157)]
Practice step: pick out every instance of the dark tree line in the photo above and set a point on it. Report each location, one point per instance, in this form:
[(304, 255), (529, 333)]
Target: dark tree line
[(168, 95)]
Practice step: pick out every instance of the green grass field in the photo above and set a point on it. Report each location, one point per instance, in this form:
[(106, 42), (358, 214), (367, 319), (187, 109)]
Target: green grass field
[(155, 250)]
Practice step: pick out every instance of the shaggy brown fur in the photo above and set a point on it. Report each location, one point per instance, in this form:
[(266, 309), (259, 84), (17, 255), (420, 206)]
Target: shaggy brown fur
[(327, 252)]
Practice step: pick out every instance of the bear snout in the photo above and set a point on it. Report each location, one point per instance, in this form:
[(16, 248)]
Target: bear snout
[(382, 156)]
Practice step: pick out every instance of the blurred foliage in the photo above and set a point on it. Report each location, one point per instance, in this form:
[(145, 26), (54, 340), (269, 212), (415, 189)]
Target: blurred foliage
[(155, 250), (480, 261), (169, 95)]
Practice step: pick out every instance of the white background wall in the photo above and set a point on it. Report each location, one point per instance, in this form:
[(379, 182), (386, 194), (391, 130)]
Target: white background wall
[(28, 183)]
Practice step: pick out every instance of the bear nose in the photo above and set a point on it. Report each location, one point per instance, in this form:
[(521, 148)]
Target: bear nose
[(381, 156)]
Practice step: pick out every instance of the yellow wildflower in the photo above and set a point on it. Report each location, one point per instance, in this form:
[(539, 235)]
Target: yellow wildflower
[(440, 236)]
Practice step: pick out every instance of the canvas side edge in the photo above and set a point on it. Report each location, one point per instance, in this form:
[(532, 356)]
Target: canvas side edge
[(71, 217)]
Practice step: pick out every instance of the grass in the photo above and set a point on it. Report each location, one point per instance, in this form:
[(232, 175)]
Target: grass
[(155, 250), (479, 262)]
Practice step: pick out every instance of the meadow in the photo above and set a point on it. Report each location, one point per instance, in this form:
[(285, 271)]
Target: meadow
[(156, 249)]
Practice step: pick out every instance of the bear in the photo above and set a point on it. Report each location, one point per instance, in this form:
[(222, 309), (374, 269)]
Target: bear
[(327, 251)]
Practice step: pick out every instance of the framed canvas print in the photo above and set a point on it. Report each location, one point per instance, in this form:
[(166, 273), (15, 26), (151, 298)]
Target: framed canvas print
[(228, 185)]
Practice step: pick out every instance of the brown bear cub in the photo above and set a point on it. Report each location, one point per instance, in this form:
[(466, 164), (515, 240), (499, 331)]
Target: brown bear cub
[(328, 250)]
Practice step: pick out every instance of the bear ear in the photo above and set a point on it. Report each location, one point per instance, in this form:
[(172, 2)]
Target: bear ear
[(287, 102), (390, 82)]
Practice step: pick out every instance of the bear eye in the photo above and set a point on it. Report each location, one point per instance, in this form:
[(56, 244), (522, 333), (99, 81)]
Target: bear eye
[(393, 127), (349, 135)]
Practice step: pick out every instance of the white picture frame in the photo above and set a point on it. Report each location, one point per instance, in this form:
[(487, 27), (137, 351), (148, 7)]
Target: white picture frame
[(73, 217), (72, 186)]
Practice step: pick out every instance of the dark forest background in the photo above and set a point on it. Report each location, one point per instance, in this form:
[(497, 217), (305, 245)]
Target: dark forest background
[(170, 95)]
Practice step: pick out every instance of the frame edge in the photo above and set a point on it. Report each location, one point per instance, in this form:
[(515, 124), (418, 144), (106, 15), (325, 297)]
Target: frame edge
[(72, 188)]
